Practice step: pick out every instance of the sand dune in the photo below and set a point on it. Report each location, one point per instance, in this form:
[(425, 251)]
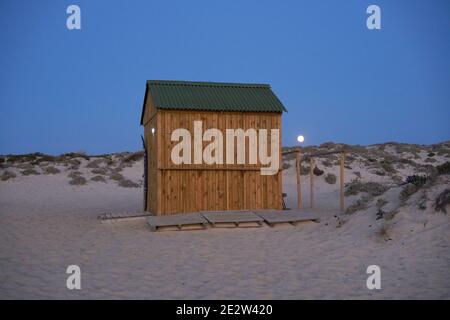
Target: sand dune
[(48, 220)]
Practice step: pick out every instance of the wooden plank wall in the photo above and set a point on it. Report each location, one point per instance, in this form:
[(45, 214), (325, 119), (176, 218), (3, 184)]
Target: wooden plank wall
[(187, 188), (150, 141)]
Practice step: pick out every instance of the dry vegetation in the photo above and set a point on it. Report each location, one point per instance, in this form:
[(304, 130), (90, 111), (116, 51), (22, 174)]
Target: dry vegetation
[(415, 169), (101, 167), (388, 161)]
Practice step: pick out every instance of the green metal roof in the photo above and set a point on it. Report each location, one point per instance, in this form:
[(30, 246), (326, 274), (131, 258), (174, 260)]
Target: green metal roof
[(212, 96)]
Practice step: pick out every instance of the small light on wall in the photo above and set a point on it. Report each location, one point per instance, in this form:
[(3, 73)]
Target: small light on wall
[(153, 131)]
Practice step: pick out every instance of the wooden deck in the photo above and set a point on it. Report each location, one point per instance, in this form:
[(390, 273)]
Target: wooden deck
[(233, 219), (273, 217), (123, 216), (223, 219), (188, 221)]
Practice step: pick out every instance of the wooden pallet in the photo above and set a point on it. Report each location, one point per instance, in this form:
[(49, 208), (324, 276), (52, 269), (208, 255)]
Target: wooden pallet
[(233, 219), (186, 221), (123, 216), (273, 217)]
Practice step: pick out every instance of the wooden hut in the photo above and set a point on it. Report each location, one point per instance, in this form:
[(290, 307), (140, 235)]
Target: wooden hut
[(176, 188)]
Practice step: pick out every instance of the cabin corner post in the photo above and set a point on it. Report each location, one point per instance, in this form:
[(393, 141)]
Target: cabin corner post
[(280, 171)]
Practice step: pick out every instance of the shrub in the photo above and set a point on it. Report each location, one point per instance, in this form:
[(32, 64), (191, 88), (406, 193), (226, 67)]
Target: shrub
[(371, 188), (116, 176), (286, 165), (327, 163), (73, 162), (30, 172), (94, 163), (379, 172), (72, 155), (423, 201), (400, 166), (360, 204), (317, 171), (444, 168), (98, 179), (380, 214), (430, 160), (25, 166), (102, 171), (51, 170), (304, 170), (134, 157), (46, 158), (109, 161), (349, 158), (328, 145), (431, 154), (383, 232), (387, 166), (14, 158), (397, 179), (330, 178), (381, 203), (74, 174), (117, 169), (408, 191), (418, 180), (442, 201), (6, 175), (128, 183), (78, 181)]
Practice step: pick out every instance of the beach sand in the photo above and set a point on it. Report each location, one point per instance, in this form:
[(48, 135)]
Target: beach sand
[(47, 224)]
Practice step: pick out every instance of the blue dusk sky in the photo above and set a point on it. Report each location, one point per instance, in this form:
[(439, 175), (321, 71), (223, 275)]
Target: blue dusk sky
[(71, 90)]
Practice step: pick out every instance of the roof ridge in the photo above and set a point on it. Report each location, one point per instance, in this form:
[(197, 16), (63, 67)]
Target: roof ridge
[(208, 84)]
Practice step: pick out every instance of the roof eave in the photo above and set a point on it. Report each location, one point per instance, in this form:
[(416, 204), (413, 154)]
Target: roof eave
[(143, 105)]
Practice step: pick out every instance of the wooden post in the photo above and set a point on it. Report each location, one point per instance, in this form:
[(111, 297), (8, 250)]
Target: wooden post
[(299, 186), (341, 181), (311, 182)]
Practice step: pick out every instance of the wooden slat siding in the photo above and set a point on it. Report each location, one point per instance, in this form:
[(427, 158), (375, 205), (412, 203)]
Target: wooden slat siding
[(158, 154), (189, 188), (150, 141), (280, 163), (267, 123), (150, 111)]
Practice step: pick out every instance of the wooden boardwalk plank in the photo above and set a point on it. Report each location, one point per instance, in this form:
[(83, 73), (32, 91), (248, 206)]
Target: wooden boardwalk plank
[(123, 216), (233, 218), (272, 217), (179, 221)]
